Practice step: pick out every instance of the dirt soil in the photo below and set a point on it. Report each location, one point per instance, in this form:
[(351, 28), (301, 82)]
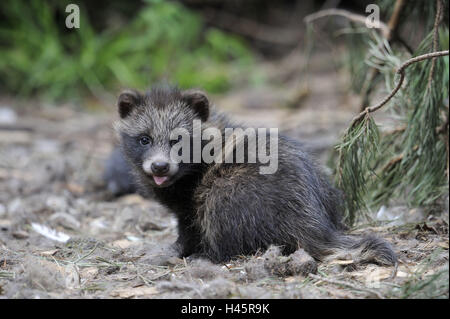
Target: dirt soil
[(63, 236)]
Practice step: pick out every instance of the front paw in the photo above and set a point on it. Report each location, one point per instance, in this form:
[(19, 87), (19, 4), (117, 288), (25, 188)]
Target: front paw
[(185, 248)]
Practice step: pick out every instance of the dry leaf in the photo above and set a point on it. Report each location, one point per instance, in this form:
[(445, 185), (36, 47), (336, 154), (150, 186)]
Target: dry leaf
[(48, 253), (402, 274), (20, 234), (373, 273), (75, 188), (291, 279), (132, 199), (341, 262), (123, 243)]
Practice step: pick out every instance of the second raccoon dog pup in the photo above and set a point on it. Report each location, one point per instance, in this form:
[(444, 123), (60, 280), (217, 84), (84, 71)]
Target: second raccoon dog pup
[(230, 209)]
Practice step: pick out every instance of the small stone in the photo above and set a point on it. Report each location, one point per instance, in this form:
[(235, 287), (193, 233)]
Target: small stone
[(65, 220), (20, 234), (5, 224)]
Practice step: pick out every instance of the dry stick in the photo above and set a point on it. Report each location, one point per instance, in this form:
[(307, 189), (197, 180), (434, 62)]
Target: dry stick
[(395, 17), (343, 283), (389, 35), (388, 32), (400, 71), (346, 14), (250, 28), (397, 159), (437, 22), (392, 162)]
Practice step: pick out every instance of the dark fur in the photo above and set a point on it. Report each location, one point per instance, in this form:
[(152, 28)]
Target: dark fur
[(226, 210)]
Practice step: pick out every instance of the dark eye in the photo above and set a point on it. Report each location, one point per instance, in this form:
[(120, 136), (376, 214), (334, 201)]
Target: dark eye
[(144, 140)]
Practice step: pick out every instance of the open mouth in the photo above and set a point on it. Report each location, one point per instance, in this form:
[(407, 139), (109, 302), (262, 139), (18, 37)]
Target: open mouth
[(159, 180)]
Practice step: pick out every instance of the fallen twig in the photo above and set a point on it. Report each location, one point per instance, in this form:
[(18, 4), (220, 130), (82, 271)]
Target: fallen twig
[(343, 283)]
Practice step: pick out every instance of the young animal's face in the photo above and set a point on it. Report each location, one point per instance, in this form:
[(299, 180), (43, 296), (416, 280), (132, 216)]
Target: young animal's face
[(145, 128)]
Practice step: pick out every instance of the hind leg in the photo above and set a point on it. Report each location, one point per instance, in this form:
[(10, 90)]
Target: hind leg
[(223, 233), (233, 222)]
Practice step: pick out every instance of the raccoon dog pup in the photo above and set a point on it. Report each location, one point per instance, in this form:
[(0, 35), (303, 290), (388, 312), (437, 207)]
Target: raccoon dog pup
[(230, 209)]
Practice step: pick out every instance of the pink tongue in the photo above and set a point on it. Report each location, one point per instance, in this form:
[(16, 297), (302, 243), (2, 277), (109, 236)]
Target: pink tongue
[(159, 179)]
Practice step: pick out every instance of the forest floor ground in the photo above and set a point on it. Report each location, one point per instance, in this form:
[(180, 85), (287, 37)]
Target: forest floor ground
[(51, 169)]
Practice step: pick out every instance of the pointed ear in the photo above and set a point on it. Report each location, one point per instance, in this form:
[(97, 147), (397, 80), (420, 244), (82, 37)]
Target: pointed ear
[(127, 101), (198, 101)]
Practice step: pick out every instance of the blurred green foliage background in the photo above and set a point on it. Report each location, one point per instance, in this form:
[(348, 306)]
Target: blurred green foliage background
[(160, 41)]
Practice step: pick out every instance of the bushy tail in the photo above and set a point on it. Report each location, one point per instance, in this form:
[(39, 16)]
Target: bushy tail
[(368, 249)]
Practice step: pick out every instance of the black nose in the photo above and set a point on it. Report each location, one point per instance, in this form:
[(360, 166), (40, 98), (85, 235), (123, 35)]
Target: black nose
[(160, 167)]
